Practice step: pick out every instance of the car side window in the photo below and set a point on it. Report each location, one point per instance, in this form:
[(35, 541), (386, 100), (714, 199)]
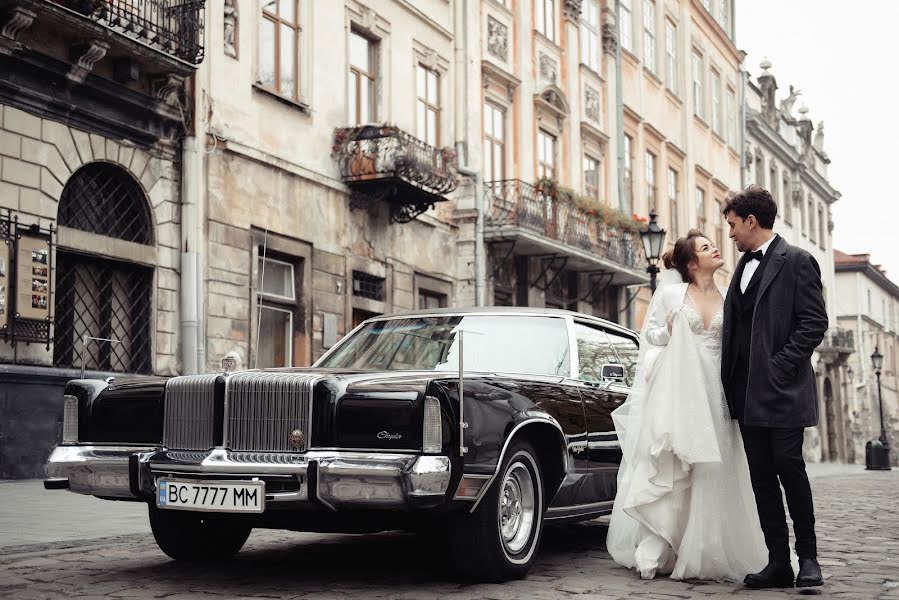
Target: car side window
[(593, 351), (627, 350)]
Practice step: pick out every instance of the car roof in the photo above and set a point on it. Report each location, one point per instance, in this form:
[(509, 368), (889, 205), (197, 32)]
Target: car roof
[(502, 310)]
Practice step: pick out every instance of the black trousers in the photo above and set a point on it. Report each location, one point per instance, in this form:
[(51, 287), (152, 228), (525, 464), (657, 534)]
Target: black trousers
[(775, 460)]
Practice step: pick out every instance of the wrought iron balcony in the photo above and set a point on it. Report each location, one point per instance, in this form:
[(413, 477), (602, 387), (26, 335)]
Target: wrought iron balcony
[(838, 340), (512, 204), (383, 163), (174, 27)]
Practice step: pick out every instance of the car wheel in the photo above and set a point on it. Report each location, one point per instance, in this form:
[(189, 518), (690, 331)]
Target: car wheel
[(193, 536), (499, 540)]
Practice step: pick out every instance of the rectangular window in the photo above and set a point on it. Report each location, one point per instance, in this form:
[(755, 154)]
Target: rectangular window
[(546, 18), (716, 103), (494, 143), (276, 301), (649, 35), (428, 105), (772, 180), (591, 177), (671, 56), (428, 300), (787, 200), (810, 222), (361, 86), (672, 203), (700, 209), (590, 34), (629, 172), (650, 160), (803, 217), (731, 108), (368, 286), (719, 227), (760, 171), (821, 228), (698, 99), (626, 25), (546, 155), (724, 15), (279, 48)]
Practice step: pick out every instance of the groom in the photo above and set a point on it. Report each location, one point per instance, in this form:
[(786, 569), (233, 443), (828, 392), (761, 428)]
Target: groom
[(774, 318)]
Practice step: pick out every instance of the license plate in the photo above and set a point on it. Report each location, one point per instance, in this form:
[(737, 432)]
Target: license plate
[(211, 496)]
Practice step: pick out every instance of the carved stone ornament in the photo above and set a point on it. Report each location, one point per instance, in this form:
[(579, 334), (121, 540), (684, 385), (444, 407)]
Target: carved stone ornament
[(497, 39), (609, 30), (14, 22), (591, 104), (819, 137), (231, 24), (368, 18), (84, 57), (786, 105), (168, 88), (572, 10), (548, 69)]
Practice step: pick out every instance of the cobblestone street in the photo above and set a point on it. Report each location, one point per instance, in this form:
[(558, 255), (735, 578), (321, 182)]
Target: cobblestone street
[(858, 530)]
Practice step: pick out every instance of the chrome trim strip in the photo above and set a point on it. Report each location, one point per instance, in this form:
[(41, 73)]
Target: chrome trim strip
[(499, 463), (579, 510)]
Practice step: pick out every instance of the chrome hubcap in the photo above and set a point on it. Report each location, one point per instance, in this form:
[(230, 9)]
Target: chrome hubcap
[(516, 508)]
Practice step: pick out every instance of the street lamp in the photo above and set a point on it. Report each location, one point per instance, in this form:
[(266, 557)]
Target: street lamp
[(877, 452), (653, 238)]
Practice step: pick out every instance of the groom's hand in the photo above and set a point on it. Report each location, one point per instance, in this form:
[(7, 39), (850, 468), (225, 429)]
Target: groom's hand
[(670, 321)]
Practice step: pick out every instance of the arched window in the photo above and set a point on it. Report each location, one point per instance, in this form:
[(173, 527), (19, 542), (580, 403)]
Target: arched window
[(104, 296)]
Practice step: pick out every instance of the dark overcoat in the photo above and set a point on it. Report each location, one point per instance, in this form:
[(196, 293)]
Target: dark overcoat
[(788, 322)]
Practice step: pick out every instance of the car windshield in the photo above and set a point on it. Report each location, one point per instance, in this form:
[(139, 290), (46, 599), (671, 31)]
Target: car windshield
[(493, 343)]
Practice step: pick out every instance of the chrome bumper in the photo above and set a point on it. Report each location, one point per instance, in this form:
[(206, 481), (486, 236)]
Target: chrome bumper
[(336, 479)]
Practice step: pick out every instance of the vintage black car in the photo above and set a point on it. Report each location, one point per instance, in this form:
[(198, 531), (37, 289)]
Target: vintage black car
[(372, 437)]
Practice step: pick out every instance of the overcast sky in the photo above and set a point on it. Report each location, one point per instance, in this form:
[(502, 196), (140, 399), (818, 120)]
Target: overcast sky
[(842, 56)]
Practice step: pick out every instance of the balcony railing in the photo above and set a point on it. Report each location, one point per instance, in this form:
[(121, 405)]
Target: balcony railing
[(519, 204), (840, 340), (174, 27), (386, 163)]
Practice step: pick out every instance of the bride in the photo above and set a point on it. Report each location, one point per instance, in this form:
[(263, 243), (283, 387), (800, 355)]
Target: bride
[(685, 505)]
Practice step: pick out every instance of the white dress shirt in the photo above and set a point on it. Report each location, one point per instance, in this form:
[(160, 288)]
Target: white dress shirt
[(752, 265)]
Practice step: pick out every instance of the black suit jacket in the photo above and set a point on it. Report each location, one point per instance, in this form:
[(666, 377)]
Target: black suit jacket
[(788, 322)]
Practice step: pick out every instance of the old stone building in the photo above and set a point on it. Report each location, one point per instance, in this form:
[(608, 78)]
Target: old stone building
[(867, 305), (95, 101), (785, 154), (627, 112)]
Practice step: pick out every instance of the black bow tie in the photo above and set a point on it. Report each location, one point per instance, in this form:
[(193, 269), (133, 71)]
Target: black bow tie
[(757, 255)]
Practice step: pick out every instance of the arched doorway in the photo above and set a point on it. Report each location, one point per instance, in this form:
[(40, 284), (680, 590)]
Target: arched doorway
[(99, 295), (833, 450)]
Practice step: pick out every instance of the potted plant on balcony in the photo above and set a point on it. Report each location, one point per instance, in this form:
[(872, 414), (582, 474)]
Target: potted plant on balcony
[(88, 8)]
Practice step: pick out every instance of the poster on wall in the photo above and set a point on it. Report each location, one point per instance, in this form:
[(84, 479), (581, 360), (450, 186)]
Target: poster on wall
[(33, 277), (5, 245)]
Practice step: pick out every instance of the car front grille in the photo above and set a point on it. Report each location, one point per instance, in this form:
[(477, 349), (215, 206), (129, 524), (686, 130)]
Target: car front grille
[(189, 412), (264, 409), (259, 412)]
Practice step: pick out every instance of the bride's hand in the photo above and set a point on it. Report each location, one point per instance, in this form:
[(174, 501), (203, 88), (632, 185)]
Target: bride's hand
[(670, 321)]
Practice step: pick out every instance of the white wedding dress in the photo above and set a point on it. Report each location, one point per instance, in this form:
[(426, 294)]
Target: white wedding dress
[(685, 505)]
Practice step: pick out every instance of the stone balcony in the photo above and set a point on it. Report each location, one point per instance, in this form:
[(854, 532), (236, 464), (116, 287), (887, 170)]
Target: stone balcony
[(541, 224), (386, 164)]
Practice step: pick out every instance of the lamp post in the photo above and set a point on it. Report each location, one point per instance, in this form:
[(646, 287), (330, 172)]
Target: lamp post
[(877, 452), (653, 238)]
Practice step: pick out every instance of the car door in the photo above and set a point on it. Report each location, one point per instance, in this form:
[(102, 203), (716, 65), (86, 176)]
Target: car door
[(598, 346)]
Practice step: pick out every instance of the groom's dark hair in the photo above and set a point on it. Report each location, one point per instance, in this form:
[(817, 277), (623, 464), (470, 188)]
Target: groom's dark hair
[(754, 200)]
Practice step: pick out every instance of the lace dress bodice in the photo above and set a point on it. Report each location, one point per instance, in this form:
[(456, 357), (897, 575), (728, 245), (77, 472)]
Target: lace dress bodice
[(711, 337)]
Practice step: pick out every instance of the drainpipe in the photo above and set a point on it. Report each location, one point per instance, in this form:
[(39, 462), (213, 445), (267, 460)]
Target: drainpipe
[(619, 110), (189, 256), (479, 264), (744, 170)]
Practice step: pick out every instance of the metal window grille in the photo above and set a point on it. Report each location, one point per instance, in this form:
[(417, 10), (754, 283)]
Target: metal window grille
[(368, 286), (107, 299), (104, 199)]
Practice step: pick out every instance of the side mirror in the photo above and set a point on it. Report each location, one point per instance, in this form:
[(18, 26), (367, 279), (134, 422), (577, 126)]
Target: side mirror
[(613, 372)]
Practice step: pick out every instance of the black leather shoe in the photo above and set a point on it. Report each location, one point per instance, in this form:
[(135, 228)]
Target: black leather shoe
[(809, 573), (775, 575)]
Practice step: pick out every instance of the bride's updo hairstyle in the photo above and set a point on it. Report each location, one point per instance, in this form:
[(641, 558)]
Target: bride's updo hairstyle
[(683, 253)]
